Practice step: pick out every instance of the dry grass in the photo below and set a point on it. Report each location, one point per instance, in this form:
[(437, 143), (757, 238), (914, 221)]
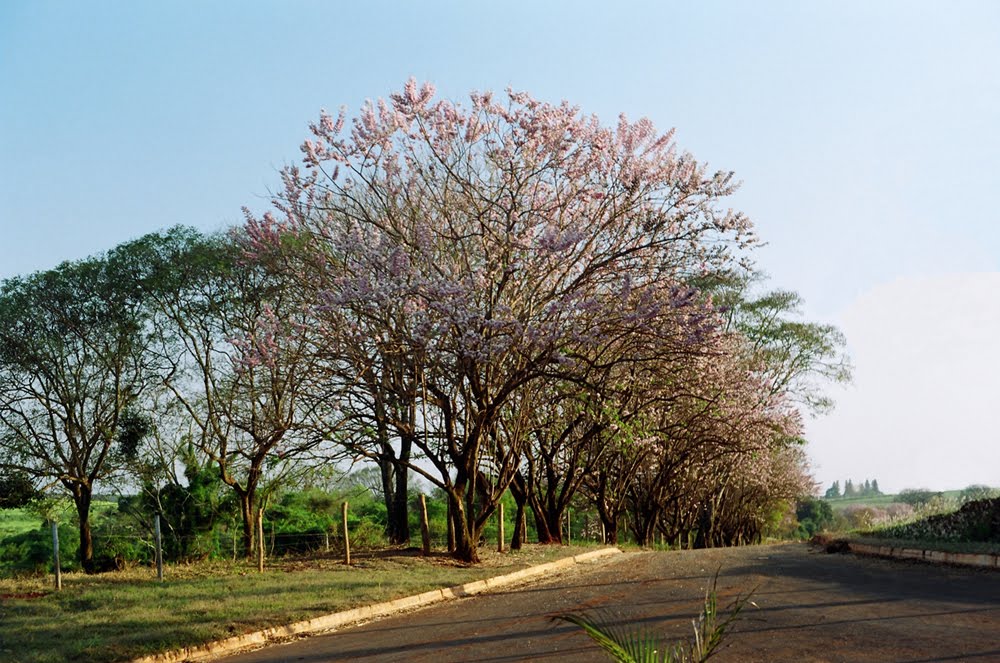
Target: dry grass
[(122, 615)]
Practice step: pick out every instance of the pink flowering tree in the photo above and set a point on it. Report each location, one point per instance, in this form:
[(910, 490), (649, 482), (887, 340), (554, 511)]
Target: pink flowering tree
[(519, 239)]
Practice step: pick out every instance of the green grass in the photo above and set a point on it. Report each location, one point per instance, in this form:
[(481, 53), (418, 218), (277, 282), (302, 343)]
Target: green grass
[(17, 521), (119, 616)]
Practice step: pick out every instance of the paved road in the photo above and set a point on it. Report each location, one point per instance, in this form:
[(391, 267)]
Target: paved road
[(811, 606)]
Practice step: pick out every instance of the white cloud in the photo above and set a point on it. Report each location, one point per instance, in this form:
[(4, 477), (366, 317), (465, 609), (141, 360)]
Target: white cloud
[(924, 409)]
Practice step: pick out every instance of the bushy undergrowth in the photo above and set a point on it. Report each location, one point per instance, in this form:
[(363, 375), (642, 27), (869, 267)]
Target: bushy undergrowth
[(200, 527), (31, 552), (864, 516)]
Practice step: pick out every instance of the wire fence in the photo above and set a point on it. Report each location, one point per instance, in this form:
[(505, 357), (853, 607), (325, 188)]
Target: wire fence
[(151, 542)]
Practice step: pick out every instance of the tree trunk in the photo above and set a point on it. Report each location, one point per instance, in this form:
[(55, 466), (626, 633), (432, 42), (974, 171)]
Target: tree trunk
[(517, 537), (555, 518), (386, 466), (546, 535), (400, 518), (400, 521), (82, 496), (451, 529), (610, 530), (518, 492), (609, 521), (247, 514), (466, 549)]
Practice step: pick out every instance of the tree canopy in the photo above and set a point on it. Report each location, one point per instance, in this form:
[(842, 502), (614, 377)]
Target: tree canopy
[(503, 295)]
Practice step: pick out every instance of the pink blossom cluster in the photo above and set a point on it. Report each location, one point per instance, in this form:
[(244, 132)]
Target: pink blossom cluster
[(497, 248)]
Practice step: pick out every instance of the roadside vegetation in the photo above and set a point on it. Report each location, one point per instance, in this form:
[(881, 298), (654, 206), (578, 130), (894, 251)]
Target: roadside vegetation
[(121, 615), (966, 520)]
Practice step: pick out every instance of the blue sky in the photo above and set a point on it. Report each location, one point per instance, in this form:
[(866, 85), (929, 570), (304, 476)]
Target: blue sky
[(865, 134)]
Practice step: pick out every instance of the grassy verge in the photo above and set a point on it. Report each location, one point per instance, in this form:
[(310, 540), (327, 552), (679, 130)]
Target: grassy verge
[(119, 616)]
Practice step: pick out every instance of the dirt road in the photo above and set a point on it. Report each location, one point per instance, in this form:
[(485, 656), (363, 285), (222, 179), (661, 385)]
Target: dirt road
[(810, 606)]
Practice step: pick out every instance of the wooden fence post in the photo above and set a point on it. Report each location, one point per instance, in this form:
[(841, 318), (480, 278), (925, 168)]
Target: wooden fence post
[(347, 538), (500, 527), (569, 527), (55, 554), (159, 548), (451, 530), (425, 528), (260, 540)]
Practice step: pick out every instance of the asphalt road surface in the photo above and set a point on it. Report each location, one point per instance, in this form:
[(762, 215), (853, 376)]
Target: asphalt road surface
[(809, 606)]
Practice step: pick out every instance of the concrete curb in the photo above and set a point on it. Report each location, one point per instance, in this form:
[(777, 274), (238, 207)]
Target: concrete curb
[(365, 613), (987, 561)]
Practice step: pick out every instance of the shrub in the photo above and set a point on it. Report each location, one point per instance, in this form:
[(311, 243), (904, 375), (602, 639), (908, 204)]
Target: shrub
[(814, 515), (977, 492), (31, 552), (367, 535), (917, 497)]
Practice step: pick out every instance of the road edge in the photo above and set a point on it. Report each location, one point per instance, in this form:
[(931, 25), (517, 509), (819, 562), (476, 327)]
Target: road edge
[(846, 545), (979, 560), (365, 613)]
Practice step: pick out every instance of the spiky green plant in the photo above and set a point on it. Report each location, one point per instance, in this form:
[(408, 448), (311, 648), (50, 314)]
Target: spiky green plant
[(627, 645)]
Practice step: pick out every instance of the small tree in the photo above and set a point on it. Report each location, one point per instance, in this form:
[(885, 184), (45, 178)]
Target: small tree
[(917, 497), (849, 489), (833, 492)]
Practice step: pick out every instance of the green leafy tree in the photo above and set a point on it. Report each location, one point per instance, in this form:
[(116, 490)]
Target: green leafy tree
[(814, 515), (74, 362), (833, 492), (917, 497), (799, 358), (16, 490)]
